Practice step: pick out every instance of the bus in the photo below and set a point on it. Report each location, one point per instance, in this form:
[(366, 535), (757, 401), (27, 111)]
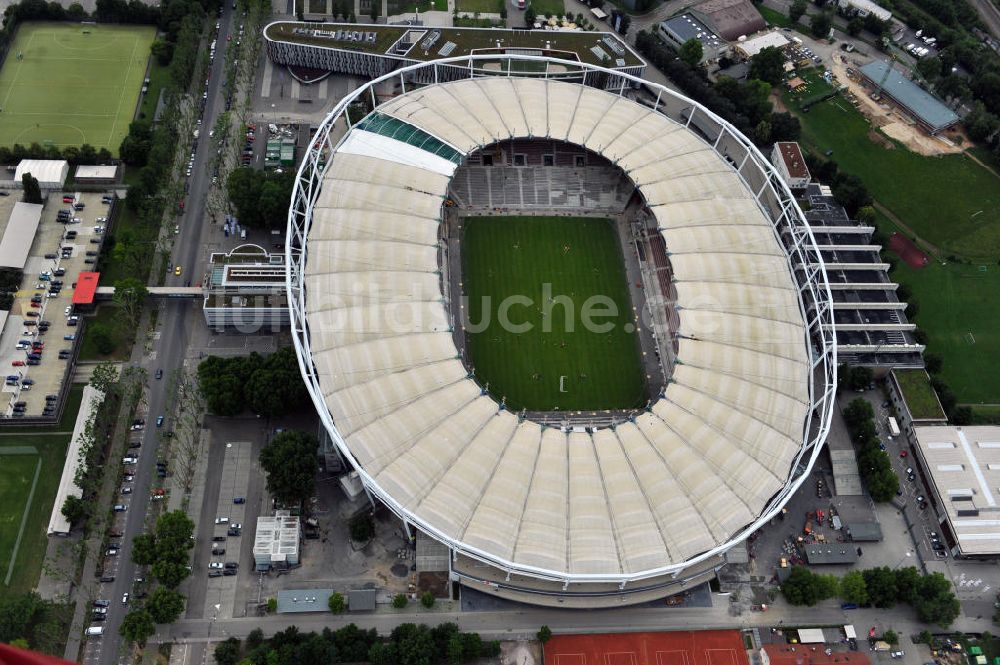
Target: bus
[(893, 427)]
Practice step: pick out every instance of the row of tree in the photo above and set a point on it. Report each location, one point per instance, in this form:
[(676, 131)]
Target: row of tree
[(75, 155), (267, 385), (29, 622), (165, 551), (930, 595), (408, 644), (746, 105), (260, 197), (873, 462), (289, 461)]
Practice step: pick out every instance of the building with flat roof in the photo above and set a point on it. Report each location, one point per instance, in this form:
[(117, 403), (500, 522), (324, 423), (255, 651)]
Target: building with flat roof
[(19, 234), (245, 289), (787, 158), (928, 111), (58, 524), (870, 532), (748, 48), (829, 554), (96, 174), (50, 173), (86, 288), (374, 50), (916, 402), (679, 29), (864, 8), (276, 541), (730, 19), (791, 654), (302, 601), (962, 468)]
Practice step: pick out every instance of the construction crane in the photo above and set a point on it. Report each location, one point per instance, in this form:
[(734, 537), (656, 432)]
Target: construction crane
[(877, 92)]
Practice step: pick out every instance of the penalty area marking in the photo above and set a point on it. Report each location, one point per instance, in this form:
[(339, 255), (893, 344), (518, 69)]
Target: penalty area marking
[(24, 521)]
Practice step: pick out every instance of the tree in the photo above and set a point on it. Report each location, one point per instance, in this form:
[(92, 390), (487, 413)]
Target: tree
[(855, 26), (144, 549), (891, 637), (852, 588), (130, 296), (374, 10), (785, 127), (290, 463), (803, 587), (933, 362), (255, 638), (103, 336), (173, 536), (797, 10), (768, 65), (135, 147), (399, 601), (850, 192), (105, 378), (820, 25), (544, 634), (74, 510), (362, 528), (137, 626), (32, 192), (427, 599), (272, 605), (529, 16), (881, 586), (337, 603), (907, 584), (858, 411), (691, 51), (228, 652), (165, 605), (16, 613), (935, 602), (859, 378), (169, 574), (929, 68), (866, 215)]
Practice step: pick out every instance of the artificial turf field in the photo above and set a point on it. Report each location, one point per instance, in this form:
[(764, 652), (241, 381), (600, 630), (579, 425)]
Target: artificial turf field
[(75, 84), (569, 367)]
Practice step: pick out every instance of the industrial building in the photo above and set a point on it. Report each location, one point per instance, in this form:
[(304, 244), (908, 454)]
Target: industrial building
[(679, 29), (276, 541), (730, 19), (962, 468), (91, 400), (748, 48), (864, 8), (870, 321), (915, 401), (19, 234), (564, 516), (96, 175), (927, 110), (245, 289)]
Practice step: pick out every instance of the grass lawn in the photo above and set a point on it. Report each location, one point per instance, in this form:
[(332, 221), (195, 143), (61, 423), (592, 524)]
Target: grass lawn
[(482, 6), (158, 75), (548, 7), (959, 213), (75, 84), (410, 6), (956, 301), (774, 17), (110, 316), (920, 397), (556, 364), (17, 472), (125, 221)]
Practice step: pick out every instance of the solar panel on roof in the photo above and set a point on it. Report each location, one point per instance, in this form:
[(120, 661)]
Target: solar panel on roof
[(447, 49), (620, 62)]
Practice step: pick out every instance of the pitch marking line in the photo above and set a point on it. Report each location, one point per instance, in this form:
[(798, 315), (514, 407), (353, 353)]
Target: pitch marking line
[(121, 97), (571, 659), (18, 71), (612, 658), (24, 521)]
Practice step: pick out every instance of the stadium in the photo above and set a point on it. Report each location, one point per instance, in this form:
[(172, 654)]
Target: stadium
[(561, 461)]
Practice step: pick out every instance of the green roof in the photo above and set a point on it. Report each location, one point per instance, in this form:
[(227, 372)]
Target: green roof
[(566, 44), (918, 394)]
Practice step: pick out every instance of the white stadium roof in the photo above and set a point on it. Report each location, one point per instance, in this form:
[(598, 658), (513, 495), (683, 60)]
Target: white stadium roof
[(684, 478)]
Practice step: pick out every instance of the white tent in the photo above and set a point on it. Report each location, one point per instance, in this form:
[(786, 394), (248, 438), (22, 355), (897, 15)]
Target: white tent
[(50, 173)]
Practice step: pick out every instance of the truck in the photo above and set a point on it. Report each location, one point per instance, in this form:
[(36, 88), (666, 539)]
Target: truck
[(893, 427)]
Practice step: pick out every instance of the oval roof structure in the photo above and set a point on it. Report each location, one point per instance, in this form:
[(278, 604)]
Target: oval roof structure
[(647, 496)]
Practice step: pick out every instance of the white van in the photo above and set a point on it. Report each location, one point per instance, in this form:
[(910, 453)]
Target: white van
[(95, 630)]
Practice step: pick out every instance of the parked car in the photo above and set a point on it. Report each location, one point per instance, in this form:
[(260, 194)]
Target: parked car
[(216, 565), (222, 520), (120, 508)]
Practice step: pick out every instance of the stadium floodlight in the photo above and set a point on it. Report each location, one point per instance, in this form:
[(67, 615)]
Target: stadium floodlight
[(734, 435)]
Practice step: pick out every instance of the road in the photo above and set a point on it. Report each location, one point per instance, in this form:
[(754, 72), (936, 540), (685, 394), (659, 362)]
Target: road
[(170, 348), (990, 15)]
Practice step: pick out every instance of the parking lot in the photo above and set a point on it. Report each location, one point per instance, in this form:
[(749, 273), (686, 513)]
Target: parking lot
[(37, 342)]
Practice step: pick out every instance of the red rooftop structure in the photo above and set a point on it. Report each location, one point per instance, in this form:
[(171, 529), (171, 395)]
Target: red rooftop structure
[(86, 287)]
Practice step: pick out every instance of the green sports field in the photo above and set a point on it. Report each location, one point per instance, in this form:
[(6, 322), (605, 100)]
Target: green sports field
[(73, 84), (560, 363)]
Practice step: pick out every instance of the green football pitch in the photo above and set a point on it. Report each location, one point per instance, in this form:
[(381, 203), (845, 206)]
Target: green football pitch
[(538, 269), (69, 84)]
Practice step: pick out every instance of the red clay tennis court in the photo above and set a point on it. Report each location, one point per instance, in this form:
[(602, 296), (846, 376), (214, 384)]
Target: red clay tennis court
[(703, 647), (908, 251)]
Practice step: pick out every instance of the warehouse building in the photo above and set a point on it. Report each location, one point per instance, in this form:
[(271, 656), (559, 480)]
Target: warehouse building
[(50, 173), (962, 468), (730, 19), (679, 29), (19, 234)]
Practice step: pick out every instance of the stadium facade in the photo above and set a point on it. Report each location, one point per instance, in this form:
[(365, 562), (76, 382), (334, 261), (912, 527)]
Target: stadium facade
[(572, 514)]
